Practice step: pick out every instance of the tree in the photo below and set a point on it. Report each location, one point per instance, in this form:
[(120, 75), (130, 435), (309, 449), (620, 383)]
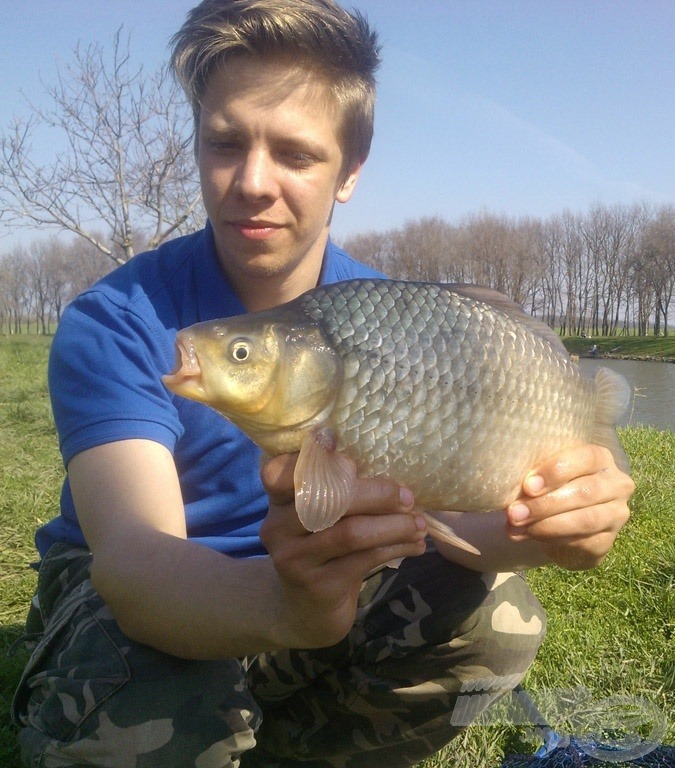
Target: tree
[(127, 158), (610, 235), (55, 272), (504, 254), (422, 249), (84, 266), (39, 274), (373, 248), (656, 258), (15, 298)]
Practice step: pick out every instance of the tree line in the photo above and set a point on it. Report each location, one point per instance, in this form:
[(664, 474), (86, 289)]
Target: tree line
[(609, 271), (38, 281)]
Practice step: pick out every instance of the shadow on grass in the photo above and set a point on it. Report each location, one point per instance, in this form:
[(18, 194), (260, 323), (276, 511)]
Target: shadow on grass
[(13, 658)]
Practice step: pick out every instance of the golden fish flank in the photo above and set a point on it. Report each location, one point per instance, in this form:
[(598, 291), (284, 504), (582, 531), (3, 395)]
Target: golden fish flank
[(451, 390)]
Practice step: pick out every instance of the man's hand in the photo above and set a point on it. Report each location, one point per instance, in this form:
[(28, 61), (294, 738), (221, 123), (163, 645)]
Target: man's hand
[(321, 573), (574, 505)]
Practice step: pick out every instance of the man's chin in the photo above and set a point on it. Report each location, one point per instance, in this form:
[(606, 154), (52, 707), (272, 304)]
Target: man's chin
[(254, 265)]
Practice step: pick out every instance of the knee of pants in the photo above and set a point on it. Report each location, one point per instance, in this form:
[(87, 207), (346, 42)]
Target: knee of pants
[(91, 696), (430, 603), (503, 634), (480, 625)]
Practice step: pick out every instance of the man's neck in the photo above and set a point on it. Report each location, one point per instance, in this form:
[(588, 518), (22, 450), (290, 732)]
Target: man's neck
[(265, 292), (260, 290)]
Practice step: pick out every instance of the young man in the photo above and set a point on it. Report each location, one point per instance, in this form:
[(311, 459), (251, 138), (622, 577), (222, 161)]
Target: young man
[(185, 616)]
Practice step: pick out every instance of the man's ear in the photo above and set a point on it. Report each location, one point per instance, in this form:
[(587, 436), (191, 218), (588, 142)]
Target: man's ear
[(346, 188)]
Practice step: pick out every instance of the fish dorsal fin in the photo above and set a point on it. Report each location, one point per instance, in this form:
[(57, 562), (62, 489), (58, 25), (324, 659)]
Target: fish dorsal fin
[(512, 309), (324, 481)]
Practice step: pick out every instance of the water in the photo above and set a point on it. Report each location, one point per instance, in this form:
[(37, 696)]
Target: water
[(653, 386)]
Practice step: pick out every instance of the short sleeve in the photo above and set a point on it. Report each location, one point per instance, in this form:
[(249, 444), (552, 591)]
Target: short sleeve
[(105, 371)]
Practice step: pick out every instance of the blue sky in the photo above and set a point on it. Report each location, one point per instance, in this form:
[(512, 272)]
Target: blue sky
[(517, 107)]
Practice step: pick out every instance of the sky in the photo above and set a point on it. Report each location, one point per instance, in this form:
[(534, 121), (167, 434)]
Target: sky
[(514, 107)]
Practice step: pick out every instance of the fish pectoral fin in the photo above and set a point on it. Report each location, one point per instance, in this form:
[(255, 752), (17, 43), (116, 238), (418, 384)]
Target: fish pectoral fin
[(443, 532), (324, 481)]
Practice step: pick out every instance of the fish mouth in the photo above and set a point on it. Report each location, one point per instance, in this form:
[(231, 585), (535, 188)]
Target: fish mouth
[(187, 374)]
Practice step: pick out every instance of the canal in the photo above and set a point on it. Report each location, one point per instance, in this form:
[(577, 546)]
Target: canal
[(653, 387)]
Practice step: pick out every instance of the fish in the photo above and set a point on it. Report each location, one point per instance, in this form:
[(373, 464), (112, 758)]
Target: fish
[(451, 390)]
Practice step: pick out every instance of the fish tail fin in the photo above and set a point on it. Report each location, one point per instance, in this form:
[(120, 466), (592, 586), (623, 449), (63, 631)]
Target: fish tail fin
[(613, 397)]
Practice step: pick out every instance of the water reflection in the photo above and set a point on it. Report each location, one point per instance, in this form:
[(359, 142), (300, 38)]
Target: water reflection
[(653, 386)]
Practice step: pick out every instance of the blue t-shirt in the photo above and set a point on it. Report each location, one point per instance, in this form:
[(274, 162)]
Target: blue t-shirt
[(113, 345)]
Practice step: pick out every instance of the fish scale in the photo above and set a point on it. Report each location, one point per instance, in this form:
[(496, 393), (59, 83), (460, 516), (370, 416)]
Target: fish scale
[(442, 345)]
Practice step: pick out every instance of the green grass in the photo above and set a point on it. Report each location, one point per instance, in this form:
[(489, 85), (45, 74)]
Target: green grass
[(641, 347), (611, 630), (29, 491)]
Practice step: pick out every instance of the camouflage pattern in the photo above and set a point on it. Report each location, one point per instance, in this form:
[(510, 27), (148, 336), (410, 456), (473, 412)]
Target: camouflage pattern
[(432, 646)]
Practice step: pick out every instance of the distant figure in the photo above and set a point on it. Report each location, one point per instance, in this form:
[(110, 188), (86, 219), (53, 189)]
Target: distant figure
[(595, 352)]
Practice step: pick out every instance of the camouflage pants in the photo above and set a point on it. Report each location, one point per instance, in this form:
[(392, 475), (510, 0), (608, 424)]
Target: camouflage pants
[(402, 684)]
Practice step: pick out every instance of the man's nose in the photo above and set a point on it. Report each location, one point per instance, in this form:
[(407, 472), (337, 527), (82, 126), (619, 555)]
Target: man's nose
[(256, 176)]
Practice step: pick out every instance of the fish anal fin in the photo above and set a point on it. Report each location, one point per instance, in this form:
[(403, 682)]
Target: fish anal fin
[(443, 532), (324, 481)]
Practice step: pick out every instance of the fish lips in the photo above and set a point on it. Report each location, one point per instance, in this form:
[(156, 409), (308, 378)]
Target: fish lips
[(187, 372)]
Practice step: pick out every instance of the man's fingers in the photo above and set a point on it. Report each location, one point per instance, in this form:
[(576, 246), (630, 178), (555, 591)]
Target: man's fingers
[(579, 461), (372, 496), (583, 477), (573, 524), (375, 496), (573, 495), (277, 477)]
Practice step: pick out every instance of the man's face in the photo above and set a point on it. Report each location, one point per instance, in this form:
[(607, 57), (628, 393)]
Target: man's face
[(271, 170)]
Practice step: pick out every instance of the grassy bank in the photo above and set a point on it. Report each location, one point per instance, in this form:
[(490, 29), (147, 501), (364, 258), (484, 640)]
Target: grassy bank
[(611, 630), (30, 485), (630, 347)]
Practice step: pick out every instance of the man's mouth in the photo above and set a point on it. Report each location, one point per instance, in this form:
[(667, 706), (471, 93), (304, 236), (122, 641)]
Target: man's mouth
[(256, 230)]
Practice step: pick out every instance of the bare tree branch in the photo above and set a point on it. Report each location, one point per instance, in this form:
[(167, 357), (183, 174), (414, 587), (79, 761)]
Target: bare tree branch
[(126, 159)]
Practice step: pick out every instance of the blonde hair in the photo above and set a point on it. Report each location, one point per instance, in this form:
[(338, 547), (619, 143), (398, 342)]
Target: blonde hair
[(338, 46)]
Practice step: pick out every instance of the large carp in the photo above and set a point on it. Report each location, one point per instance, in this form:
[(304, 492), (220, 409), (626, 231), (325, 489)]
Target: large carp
[(451, 390)]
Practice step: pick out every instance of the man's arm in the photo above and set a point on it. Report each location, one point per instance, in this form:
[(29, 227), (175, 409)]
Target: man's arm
[(190, 601), (570, 513)]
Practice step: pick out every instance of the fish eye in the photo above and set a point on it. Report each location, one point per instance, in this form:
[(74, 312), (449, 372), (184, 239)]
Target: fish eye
[(240, 350)]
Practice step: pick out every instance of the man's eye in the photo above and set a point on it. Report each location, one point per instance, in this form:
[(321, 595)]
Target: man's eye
[(224, 146), (298, 159)]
